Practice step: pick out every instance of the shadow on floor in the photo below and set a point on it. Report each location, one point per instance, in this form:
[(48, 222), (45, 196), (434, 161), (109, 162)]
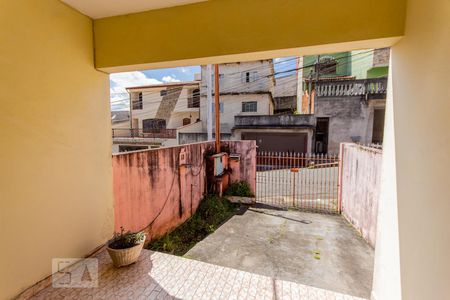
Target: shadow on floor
[(320, 250)]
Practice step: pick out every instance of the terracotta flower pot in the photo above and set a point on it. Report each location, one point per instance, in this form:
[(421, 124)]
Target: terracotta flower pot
[(125, 257)]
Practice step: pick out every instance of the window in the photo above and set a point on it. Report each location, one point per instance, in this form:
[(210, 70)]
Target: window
[(137, 103), (153, 125), (251, 106), (194, 99), (162, 93), (220, 108), (249, 76), (186, 121), (327, 66)]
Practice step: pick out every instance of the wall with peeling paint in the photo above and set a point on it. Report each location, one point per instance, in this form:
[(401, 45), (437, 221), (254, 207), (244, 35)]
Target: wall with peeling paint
[(361, 181), (159, 189)]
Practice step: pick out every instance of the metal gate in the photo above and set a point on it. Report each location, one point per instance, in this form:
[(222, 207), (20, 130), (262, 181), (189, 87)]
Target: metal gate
[(297, 180)]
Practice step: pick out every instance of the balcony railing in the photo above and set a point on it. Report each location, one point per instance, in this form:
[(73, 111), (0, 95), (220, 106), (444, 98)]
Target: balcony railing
[(144, 133), (274, 121), (360, 87)]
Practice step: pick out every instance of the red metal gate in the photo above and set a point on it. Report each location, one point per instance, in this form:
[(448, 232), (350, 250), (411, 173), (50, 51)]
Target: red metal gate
[(297, 180)]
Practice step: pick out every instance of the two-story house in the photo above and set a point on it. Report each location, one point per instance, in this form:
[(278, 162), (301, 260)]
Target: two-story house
[(342, 100), (348, 98), (245, 89), (156, 112)]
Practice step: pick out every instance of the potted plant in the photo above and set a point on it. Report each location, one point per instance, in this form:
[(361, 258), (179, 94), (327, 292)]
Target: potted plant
[(125, 247)]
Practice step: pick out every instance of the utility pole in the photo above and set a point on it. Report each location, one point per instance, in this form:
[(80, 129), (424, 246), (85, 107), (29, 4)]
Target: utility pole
[(209, 101), (309, 91), (317, 81), (217, 106), (299, 84)]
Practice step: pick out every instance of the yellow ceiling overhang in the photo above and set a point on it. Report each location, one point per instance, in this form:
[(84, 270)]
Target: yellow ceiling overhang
[(221, 30)]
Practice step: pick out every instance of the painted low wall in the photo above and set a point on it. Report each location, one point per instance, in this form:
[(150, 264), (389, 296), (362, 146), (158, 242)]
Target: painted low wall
[(156, 190), (361, 174)]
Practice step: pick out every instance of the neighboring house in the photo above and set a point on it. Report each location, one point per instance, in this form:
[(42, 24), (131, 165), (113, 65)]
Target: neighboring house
[(120, 119), (164, 106), (347, 105), (348, 98), (245, 89), (285, 94), (156, 112)]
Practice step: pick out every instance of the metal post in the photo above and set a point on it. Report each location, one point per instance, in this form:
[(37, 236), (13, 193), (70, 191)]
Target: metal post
[(309, 91), (299, 84), (217, 106), (209, 101), (340, 169)]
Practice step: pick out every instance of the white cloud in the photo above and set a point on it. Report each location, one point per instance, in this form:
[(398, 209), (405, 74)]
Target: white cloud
[(170, 78), (120, 81)]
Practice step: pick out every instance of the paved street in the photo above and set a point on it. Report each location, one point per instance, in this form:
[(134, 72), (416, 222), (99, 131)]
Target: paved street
[(315, 189)]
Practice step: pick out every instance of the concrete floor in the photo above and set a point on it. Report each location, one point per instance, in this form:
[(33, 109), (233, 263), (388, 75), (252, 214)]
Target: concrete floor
[(320, 250)]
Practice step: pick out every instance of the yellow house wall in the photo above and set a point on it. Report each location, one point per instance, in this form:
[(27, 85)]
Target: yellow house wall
[(422, 126), (55, 153), (416, 181), (216, 29)]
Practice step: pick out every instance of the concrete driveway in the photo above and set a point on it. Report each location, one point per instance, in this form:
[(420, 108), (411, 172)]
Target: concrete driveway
[(313, 249)]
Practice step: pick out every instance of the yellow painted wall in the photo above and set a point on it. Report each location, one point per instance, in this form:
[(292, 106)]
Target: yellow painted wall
[(417, 159), (55, 141), (217, 28)]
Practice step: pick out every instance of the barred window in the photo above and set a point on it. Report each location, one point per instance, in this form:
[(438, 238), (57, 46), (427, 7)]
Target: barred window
[(137, 103), (194, 99), (250, 106)]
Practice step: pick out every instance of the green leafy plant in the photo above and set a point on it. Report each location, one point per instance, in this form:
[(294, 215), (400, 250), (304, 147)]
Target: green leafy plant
[(239, 188), (124, 240), (211, 213)]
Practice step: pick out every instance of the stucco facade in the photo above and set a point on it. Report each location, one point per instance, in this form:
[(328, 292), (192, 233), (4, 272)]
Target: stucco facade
[(170, 102), (350, 119), (240, 82)]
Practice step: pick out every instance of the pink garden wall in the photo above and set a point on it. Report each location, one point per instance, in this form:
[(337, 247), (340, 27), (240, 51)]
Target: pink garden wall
[(361, 174), (157, 190)]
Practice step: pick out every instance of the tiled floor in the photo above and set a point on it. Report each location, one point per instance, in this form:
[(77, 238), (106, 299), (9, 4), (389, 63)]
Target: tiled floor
[(162, 276)]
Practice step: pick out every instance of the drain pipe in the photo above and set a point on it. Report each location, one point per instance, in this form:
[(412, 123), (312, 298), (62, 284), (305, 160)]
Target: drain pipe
[(217, 106)]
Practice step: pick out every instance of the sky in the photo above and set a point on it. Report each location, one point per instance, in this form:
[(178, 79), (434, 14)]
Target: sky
[(119, 81)]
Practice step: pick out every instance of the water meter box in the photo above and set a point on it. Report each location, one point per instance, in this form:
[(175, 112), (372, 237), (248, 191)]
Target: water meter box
[(220, 163)]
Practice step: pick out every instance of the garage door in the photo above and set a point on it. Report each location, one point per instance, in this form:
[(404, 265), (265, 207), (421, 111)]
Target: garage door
[(274, 141)]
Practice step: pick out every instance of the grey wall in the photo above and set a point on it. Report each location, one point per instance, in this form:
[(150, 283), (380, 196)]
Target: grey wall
[(351, 119)]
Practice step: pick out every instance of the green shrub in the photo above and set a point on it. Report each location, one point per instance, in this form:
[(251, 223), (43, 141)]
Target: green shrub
[(210, 214), (239, 188), (124, 240)]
